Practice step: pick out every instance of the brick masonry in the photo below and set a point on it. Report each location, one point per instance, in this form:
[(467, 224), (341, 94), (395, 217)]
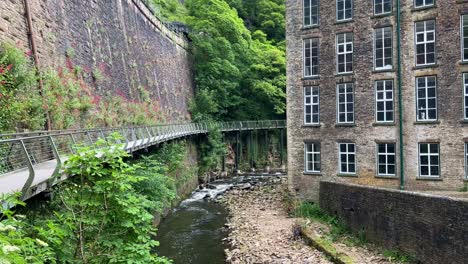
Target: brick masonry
[(449, 131), (121, 39), (432, 228)]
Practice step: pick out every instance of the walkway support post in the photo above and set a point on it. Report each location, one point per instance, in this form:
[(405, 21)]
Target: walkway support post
[(237, 150), (281, 147), (251, 150)]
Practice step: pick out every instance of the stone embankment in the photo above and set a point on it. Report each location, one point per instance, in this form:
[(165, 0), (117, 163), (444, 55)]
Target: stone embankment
[(260, 230)]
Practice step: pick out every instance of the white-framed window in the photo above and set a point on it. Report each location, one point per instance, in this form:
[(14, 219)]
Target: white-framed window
[(426, 98), (383, 48), (345, 103), (344, 53), (344, 10), (423, 3), (429, 160), (347, 152), (386, 159), (311, 13), (311, 105), (465, 96), (464, 37), (382, 7), (466, 160), (311, 57), (425, 42), (384, 101), (312, 157)]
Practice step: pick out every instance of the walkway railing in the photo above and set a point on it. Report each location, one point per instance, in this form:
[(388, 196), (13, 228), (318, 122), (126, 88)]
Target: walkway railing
[(32, 162)]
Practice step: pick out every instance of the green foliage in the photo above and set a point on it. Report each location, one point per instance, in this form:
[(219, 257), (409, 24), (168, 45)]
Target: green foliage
[(20, 101), (241, 73), (67, 98), (16, 244), (211, 150), (110, 220), (265, 15), (168, 10), (394, 256)]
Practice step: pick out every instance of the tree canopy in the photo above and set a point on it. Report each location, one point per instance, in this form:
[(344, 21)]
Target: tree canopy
[(239, 56)]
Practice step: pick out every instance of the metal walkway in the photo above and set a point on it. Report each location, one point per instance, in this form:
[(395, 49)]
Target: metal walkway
[(32, 162)]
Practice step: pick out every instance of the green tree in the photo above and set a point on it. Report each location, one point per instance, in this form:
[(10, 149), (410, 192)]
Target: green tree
[(238, 77)]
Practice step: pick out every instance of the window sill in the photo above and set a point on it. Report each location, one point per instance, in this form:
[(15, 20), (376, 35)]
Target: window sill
[(344, 74), (338, 22), (311, 125), (383, 70), (427, 122), (429, 178), (463, 62), (393, 177), (423, 67), (311, 78), (312, 173), (464, 122), (345, 125), (461, 1), (389, 14), (389, 124), (310, 27), (350, 175), (423, 8)]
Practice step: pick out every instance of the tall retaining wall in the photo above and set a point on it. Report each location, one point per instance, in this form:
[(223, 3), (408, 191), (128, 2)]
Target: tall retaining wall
[(432, 228), (119, 39)]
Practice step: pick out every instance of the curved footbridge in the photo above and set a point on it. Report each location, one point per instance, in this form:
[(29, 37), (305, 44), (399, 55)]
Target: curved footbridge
[(32, 162)]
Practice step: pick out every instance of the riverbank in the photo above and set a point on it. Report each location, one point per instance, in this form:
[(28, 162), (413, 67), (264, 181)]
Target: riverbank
[(260, 230)]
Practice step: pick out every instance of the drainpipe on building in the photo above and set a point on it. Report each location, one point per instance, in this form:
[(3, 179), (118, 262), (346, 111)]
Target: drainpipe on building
[(32, 43), (400, 98)]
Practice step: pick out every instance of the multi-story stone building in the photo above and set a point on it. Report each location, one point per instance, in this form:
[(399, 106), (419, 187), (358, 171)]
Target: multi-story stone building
[(348, 60)]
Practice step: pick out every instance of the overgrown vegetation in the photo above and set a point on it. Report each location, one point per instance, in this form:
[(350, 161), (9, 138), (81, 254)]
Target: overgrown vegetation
[(239, 54), (20, 102), (340, 232), (67, 100), (102, 214)]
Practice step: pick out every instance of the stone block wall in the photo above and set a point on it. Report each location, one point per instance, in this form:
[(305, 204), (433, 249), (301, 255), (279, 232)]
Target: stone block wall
[(450, 131), (120, 40), (432, 228)]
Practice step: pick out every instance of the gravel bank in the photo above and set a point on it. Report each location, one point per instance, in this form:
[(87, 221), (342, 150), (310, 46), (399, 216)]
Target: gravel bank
[(260, 230)]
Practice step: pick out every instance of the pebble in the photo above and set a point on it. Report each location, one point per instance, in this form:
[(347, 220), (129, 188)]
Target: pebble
[(260, 230)]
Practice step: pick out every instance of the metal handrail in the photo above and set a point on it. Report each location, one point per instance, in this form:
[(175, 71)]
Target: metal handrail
[(30, 150)]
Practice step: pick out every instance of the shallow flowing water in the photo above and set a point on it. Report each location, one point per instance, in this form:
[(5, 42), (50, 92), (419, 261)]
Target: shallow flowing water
[(193, 232)]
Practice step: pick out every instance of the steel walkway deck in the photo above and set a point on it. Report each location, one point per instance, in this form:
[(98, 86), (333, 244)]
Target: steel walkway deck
[(32, 162)]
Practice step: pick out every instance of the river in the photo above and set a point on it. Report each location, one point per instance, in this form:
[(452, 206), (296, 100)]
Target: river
[(193, 233)]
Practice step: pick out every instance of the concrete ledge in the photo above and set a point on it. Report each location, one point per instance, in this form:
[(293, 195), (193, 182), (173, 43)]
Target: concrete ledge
[(325, 247)]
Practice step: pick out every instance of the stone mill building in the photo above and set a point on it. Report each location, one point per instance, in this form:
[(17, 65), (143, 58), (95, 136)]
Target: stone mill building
[(377, 93)]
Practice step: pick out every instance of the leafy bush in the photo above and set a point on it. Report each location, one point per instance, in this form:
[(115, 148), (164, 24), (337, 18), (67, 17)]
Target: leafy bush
[(111, 221), (20, 100), (16, 244)]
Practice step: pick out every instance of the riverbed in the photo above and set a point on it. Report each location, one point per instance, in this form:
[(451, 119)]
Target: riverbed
[(193, 232), (240, 220)]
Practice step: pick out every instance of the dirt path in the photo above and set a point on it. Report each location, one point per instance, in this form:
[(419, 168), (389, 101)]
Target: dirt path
[(261, 231)]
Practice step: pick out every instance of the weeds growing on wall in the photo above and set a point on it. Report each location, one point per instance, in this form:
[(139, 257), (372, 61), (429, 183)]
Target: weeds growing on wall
[(20, 101), (68, 101)]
